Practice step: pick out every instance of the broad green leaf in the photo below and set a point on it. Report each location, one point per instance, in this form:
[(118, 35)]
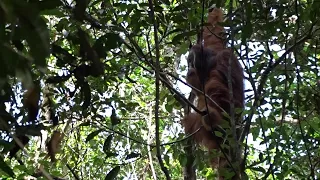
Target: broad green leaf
[(218, 134), (183, 159), (86, 92), (246, 32), (64, 57), (260, 156), (260, 169), (178, 38), (169, 107), (57, 79), (93, 134), (85, 123), (80, 9), (113, 173), (110, 154), (107, 144), (226, 4), (53, 12), (166, 159), (133, 155), (5, 168), (46, 4), (114, 118), (248, 11)]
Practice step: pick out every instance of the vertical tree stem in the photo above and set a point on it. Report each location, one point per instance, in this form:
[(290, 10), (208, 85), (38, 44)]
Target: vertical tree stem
[(157, 70)]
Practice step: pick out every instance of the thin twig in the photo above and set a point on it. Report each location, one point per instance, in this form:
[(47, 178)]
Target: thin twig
[(185, 138), (235, 146), (157, 70), (124, 135), (163, 78), (72, 171)]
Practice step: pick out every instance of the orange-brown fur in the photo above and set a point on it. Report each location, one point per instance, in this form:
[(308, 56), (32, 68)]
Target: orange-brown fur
[(214, 34), (215, 57)]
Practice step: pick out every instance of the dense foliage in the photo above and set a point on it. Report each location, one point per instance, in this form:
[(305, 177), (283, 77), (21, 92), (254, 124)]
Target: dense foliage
[(88, 69)]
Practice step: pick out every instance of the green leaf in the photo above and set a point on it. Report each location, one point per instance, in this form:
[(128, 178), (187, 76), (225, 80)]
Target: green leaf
[(178, 38), (133, 155), (167, 2), (62, 24), (183, 159), (100, 48), (114, 118), (110, 154), (64, 57), (57, 79), (246, 32), (53, 12), (166, 159), (248, 12), (260, 169), (218, 134), (226, 4), (260, 156), (107, 144), (93, 134), (5, 168), (113, 173), (158, 9), (46, 4), (106, 43), (80, 8), (35, 31), (85, 123), (86, 92), (169, 107)]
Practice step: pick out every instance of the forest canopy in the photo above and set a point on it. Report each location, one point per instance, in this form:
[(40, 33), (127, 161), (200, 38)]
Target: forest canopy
[(95, 89)]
